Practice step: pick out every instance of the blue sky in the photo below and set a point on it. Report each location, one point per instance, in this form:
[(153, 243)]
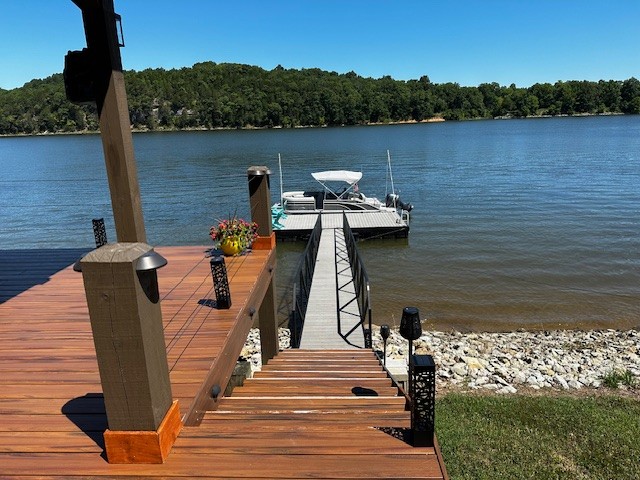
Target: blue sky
[(469, 42)]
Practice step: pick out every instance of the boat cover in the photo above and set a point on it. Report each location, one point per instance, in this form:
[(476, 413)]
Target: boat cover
[(338, 176)]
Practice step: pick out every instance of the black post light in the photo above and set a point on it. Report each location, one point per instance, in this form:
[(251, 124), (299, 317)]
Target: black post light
[(99, 232), (423, 400), (220, 282), (147, 270), (100, 236), (385, 331), (411, 329)]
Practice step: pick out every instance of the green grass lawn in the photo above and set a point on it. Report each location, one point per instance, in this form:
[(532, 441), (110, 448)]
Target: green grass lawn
[(541, 437)]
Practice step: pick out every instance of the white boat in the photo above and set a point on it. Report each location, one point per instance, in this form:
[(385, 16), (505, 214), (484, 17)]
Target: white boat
[(340, 193)]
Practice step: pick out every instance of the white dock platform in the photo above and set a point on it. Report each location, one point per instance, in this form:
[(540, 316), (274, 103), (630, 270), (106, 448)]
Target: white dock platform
[(332, 311), (363, 224)]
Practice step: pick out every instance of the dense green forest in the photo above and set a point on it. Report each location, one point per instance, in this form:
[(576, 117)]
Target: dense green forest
[(210, 95)]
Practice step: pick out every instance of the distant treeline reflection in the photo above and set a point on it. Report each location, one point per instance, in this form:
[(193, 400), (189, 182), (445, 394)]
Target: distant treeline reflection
[(210, 95)]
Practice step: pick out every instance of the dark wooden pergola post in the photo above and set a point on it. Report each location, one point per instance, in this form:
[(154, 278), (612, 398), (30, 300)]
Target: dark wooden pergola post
[(111, 100), (121, 289), (260, 201)]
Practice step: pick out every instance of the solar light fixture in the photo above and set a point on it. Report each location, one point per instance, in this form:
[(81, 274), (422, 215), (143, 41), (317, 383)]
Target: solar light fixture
[(423, 400), (150, 261), (220, 282), (99, 232), (411, 329), (385, 331)]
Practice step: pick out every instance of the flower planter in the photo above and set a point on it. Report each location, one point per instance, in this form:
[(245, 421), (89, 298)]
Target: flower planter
[(235, 235), (231, 246)]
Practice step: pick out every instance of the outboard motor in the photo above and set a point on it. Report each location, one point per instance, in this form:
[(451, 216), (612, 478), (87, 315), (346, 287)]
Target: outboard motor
[(393, 200)]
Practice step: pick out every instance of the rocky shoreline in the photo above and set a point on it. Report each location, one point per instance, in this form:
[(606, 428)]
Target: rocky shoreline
[(509, 362)]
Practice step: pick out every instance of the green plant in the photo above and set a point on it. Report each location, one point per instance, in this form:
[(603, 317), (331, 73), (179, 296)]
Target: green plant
[(614, 378), (235, 229), (629, 379)]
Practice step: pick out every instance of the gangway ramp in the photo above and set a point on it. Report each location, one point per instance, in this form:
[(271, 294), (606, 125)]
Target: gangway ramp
[(332, 319)]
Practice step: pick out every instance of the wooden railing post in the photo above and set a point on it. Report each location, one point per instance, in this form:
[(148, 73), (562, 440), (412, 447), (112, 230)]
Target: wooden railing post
[(260, 202), (121, 286)]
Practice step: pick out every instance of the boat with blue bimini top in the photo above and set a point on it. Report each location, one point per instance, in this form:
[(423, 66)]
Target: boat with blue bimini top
[(298, 210)]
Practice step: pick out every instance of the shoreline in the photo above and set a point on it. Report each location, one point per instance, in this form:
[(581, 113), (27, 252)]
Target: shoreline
[(509, 362), (435, 119)]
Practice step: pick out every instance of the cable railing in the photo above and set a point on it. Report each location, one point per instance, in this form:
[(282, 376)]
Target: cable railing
[(360, 281), (302, 284)]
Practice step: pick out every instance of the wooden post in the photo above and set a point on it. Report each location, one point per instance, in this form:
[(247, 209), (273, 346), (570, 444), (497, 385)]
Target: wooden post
[(126, 321), (111, 100), (123, 300), (260, 202), (268, 324)]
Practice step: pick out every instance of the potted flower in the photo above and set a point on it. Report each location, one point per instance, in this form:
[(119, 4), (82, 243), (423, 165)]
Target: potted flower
[(234, 235)]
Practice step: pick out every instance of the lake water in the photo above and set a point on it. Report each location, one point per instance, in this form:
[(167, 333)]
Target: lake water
[(521, 223)]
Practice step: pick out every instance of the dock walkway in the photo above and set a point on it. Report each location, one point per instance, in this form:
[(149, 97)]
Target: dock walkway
[(332, 312)]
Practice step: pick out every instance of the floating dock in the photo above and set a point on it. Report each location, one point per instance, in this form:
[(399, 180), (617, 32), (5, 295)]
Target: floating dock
[(379, 224)]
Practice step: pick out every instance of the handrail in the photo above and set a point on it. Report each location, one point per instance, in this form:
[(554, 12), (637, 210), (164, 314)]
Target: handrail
[(302, 284), (360, 281)]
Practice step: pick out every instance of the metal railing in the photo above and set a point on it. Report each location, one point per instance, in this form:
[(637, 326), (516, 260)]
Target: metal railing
[(360, 281), (302, 284)]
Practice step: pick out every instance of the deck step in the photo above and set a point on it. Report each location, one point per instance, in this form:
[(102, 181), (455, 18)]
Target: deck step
[(316, 405), (324, 381)]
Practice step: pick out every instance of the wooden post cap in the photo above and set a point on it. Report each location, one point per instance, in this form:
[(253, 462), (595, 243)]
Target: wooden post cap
[(258, 170), (123, 252)]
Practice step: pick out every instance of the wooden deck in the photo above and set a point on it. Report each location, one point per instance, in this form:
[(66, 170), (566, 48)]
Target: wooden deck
[(365, 225), (52, 415), (46, 344)]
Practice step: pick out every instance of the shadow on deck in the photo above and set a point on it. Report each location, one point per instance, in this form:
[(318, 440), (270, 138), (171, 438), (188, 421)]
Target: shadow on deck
[(22, 269)]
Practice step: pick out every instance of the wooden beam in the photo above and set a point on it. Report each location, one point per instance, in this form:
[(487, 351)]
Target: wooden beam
[(111, 100)]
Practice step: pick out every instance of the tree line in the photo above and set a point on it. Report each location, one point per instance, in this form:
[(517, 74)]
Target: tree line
[(210, 95)]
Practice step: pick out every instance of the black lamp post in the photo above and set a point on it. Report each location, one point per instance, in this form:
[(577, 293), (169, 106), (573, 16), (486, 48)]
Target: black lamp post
[(411, 329), (384, 333)]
